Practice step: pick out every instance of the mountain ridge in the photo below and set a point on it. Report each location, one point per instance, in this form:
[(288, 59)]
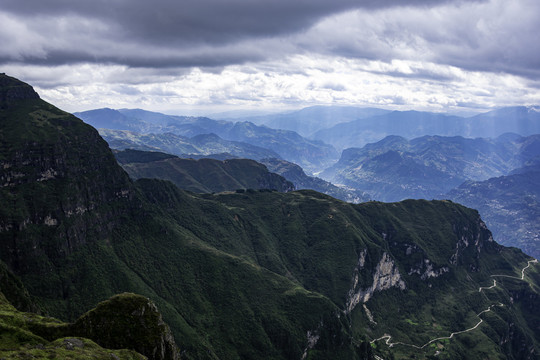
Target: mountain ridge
[(309, 120), (198, 145), (289, 145), (259, 275), (509, 204), (203, 175), (426, 167), (413, 124)]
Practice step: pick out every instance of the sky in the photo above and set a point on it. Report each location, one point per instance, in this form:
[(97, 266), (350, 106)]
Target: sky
[(206, 56)]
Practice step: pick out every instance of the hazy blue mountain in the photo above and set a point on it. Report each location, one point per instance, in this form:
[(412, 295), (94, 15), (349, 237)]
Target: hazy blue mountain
[(312, 119), (110, 119), (150, 117), (523, 120), (200, 145), (510, 206), (395, 168), (233, 115), (213, 144), (408, 124), (168, 142), (411, 124), (312, 155)]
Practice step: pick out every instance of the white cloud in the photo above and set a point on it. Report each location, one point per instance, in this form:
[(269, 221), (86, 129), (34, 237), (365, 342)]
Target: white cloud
[(495, 35), (459, 54), (309, 80)]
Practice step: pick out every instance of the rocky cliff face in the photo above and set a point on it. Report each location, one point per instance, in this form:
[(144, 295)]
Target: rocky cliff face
[(385, 276), (11, 91), (58, 154), (473, 240), (60, 187)]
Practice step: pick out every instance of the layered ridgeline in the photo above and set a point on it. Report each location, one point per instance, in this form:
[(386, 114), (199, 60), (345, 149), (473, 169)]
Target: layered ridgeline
[(499, 177), (256, 275), (308, 121), (301, 180), (427, 167), (204, 175), (208, 175), (312, 155), (197, 146), (412, 124)]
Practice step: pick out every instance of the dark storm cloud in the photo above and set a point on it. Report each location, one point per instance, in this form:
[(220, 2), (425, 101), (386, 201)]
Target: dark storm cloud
[(496, 36), (215, 58), (161, 33), (201, 20)]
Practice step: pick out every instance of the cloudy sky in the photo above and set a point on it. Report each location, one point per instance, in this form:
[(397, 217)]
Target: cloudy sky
[(179, 56)]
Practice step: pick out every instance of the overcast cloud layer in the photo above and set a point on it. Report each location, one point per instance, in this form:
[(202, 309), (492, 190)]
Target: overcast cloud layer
[(210, 54)]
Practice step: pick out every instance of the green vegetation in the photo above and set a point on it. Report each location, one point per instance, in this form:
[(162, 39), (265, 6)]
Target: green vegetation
[(204, 175), (29, 336), (252, 274)]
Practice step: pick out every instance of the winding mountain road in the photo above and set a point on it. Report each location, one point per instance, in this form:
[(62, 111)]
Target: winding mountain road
[(389, 337)]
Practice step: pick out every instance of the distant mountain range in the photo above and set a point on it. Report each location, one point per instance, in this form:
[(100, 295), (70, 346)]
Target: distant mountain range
[(309, 120), (288, 134), (411, 124), (310, 154), (510, 206), (199, 145), (394, 168)]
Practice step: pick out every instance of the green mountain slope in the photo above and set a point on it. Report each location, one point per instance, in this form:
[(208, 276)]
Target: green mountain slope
[(125, 321), (204, 175), (258, 274), (27, 335)]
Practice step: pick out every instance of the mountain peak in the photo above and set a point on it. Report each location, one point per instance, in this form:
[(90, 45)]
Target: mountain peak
[(12, 90)]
